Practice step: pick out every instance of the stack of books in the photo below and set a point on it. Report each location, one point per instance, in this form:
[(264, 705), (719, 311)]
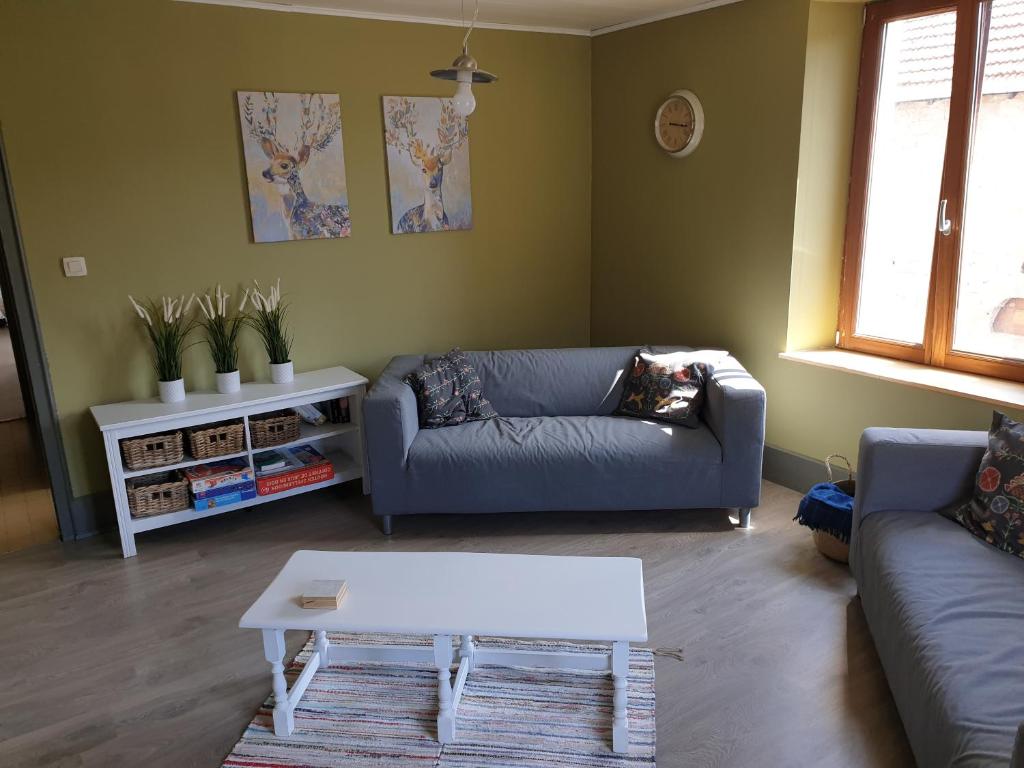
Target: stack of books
[(286, 468), (335, 411), (329, 411), (220, 483)]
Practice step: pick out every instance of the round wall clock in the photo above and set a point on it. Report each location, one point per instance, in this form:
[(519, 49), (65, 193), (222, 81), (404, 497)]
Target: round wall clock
[(679, 123)]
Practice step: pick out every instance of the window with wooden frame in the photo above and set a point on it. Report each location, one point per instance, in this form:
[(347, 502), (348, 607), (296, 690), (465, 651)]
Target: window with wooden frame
[(933, 268)]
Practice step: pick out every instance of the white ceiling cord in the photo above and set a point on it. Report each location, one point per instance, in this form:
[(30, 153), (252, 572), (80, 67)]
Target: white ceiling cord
[(472, 24)]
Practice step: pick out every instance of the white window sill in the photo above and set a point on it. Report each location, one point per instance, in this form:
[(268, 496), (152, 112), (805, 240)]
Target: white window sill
[(1008, 394)]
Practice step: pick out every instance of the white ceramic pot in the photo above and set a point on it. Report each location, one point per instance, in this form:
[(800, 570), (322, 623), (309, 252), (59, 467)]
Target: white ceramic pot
[(228, 383), (172, 391), (282, 373)]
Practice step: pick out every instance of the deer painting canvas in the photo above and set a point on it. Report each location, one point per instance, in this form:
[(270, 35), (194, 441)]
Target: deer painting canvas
[(295, 165), (428, 165)]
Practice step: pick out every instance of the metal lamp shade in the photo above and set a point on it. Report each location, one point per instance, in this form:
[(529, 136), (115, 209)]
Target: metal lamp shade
[(464, 63)]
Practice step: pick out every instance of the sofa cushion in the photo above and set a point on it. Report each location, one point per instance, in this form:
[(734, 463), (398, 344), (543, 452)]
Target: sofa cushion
[(569, 462), (665, 387), (995, 512), (947, 616), (448, 391)]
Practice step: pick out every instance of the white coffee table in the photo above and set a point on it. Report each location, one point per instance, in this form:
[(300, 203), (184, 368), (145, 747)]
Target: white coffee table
[(446, 595)]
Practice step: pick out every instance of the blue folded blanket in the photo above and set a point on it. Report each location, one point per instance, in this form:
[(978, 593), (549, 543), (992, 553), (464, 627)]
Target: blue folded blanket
[(826, 508)]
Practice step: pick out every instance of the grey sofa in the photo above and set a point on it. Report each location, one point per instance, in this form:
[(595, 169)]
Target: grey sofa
[(556, 445), (945, 609)]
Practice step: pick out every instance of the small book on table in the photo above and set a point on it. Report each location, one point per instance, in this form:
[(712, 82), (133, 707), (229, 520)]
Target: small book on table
[(324, 593)]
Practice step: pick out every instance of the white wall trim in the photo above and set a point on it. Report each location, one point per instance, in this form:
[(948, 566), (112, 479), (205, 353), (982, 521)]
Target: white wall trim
[(265, 5), (705, 6), (283, 7)]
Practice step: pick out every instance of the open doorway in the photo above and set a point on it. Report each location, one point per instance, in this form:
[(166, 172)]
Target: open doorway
[(12, 405), (35, 495), (27, 516)]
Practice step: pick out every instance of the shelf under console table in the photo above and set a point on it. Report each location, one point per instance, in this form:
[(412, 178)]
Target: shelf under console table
[(342, 444)]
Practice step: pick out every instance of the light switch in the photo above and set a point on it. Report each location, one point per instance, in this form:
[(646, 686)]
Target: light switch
[(74, 266)]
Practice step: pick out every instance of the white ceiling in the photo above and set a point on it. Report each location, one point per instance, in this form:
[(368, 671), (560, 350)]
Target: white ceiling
[(578, 17)]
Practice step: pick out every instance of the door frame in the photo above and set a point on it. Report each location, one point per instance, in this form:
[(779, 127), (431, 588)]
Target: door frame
[(27, 340)]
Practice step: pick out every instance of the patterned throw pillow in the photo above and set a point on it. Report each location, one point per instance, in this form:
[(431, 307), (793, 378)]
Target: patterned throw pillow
[(665, 387), (448, 392), (996, 511)]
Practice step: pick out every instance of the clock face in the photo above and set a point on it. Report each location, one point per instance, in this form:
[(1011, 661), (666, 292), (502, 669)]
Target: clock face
[(675, 124), (679, 124)]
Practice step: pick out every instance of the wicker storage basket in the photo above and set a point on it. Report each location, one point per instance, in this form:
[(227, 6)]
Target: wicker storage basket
[(273, 429), (827, 544), (831, 547), (157, 494), (151, 451), (215, 440)]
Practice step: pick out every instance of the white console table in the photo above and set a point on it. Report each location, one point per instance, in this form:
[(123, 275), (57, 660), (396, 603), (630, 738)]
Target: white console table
[(342, 444)]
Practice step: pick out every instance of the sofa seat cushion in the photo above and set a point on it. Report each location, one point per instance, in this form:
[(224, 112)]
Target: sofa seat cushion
[(946, 611), (564, 462)]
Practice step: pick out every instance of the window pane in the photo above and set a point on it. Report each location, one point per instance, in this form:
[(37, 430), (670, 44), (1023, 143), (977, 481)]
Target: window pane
[(990, 294), (911, 118)]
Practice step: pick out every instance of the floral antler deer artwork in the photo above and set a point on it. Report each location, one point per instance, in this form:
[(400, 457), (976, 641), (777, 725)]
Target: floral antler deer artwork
[(319, 125), (430, 160)]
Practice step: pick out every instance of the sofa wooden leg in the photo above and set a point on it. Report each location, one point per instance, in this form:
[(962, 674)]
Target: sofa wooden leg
[(385, 524), (744, 517)]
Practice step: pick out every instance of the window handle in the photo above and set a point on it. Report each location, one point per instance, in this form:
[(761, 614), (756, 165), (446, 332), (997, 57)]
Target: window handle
[(945, 225)]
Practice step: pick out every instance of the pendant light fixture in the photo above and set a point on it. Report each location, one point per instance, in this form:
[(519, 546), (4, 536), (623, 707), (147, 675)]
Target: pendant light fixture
[(465, 71)]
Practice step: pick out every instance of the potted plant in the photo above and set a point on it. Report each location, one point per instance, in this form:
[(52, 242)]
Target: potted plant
[(168, 334), (269, 321), (222, 337)]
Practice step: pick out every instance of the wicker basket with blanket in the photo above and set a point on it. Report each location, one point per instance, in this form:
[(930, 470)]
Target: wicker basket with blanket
[(827, 510)]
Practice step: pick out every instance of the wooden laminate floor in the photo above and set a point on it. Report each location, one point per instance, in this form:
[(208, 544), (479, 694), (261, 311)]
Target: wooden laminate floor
[(26, 505), (11, 404), (108, 662)]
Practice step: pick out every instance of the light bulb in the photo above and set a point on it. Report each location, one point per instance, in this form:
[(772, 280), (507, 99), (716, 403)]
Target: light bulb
[(464, 101)]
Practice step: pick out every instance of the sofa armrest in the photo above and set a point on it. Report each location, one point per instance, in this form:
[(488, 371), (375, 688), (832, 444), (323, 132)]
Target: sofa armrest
[(735, 413), (915, 470), (911, 470), (391, 422)]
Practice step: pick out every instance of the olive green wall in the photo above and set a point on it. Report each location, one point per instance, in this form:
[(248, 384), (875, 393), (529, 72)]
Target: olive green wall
[(700, 250), (826, 143), (697, 250), (120, 123)]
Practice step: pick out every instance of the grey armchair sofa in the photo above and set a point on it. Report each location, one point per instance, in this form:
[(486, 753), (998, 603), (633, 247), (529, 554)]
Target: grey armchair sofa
[(557, 446), (945, 609)]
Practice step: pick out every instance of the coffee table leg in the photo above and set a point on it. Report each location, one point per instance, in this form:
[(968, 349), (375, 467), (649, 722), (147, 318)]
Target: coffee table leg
[(443, 662), (620, 677), (467, 648), (323, 647), (274, 650)]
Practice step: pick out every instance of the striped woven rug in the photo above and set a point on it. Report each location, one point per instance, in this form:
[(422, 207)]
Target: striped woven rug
[(509, 717)]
